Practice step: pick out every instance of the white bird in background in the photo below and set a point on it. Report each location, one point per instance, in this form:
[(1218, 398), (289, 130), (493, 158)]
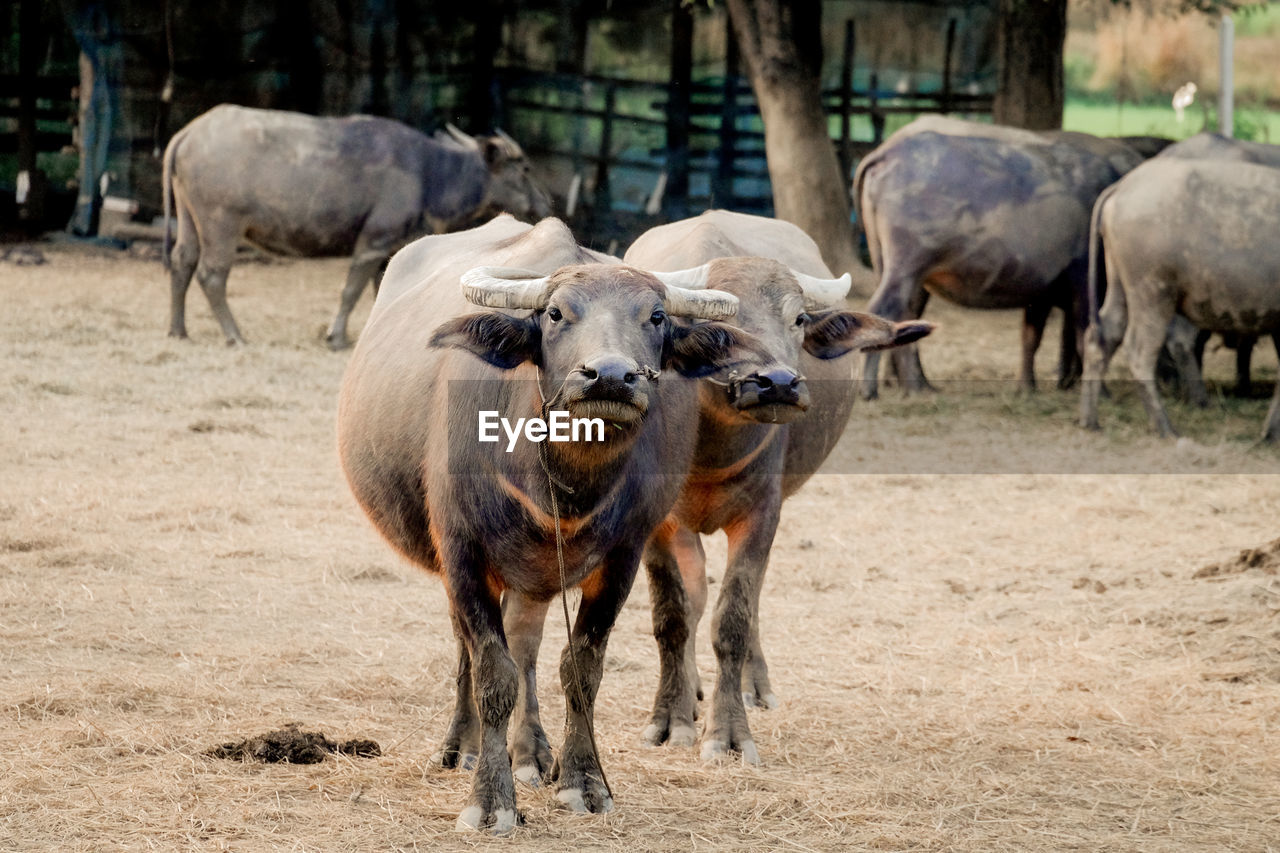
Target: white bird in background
[(1183, 98)]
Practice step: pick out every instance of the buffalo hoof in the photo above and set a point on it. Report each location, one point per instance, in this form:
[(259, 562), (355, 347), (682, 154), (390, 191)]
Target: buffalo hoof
[(337, 344), (499, 821), (449, 759), (677, 736), (594, 800), (768, 701), (716, 750), (528, 774)]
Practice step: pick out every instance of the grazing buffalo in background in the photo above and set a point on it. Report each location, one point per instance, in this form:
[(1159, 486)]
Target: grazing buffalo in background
[(987, 217), (1186, 343), (1182, 236), (761, 435), (302, 185), (571, 335)]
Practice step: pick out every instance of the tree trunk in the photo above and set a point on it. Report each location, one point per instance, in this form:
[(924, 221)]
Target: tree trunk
[(1029, 46), (781, 43)]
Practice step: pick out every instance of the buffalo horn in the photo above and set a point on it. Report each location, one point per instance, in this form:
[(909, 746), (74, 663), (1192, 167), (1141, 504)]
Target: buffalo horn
[(505, 287), (514, 151), (823, 291), (700, 304), (462, 138), (694, 278)]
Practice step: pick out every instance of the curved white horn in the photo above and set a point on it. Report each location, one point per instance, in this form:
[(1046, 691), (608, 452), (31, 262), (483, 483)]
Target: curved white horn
[(700, 304), (505, 287), (463, 138), (513, 148), (825, 291), (694, 278)]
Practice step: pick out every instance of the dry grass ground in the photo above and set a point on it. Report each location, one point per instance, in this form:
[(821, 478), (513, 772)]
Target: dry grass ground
[(986, 661)]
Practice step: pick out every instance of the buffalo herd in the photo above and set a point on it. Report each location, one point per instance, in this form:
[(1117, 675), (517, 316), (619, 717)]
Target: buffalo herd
[(711, 367)]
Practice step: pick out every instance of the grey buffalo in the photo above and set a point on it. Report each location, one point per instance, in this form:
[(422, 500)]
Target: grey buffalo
[(986, 217), (1186, 343), (506, 526), (761, 435), (1189, 236), (303, 185)]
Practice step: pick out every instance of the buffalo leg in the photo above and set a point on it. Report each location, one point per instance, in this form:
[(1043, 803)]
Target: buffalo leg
[(1034, 317), (494, 684), (1102, 339), (366, 265), (1181, 341), (1143, 342), (905, 361), (580, 781), (1244, 362), (461, 743), (218, 237), (182, 265), (1271, 432), (1070, 363), (677, 569), (889, 301), (750, 540), (523, 620)]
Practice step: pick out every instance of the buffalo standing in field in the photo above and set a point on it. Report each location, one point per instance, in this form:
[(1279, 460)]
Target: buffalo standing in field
[(760, 438), (507, 530), (1182, 236), (987, 217), (303, 185), (1186, 343)]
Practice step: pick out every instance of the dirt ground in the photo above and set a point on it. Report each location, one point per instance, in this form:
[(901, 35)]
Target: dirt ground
[(989, 629)]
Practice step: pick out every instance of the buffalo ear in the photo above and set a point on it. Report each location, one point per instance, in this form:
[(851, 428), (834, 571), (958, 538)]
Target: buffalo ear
[(503, 341), (831, 334), (705, 348), (494, 151)]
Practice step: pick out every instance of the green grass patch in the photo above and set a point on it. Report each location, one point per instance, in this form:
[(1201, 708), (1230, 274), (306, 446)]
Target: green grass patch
[(1111, 119)]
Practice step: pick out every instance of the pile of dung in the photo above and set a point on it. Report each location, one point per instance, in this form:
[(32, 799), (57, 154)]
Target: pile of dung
[(293, 746), (1265, 559)]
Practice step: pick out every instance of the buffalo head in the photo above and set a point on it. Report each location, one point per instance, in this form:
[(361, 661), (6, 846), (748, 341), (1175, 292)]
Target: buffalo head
[(601, 335), (512, 188), (787, 312)]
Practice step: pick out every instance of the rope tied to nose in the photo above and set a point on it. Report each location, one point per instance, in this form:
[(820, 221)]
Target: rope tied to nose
[(552, 485)]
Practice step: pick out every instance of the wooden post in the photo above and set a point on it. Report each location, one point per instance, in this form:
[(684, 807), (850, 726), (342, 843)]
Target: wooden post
[(722, 183), (676, 197), (877, 117), (846, 100), (946, 66), (604, 196), (30, 196), (1226, 76)]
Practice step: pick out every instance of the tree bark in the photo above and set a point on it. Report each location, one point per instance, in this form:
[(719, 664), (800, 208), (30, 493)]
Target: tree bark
[(781, 43), (1030, 36)]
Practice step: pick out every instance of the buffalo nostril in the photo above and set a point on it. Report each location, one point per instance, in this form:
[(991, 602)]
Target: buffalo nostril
[(762, 381), (629, 378), (589, 374)]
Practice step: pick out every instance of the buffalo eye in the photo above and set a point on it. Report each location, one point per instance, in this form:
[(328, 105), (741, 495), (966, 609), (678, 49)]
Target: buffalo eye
[(657, 317), (554, 313), (801, 319)]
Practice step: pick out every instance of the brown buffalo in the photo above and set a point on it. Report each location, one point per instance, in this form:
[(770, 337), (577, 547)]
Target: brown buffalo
[(761, 435), (565, 334), (302, 185)]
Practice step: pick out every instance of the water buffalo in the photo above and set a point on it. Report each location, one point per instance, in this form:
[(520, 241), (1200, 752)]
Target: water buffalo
[(760, 437), (1185, 342), (320, 186), (565, 334), (1188, 236), (987, 217)]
